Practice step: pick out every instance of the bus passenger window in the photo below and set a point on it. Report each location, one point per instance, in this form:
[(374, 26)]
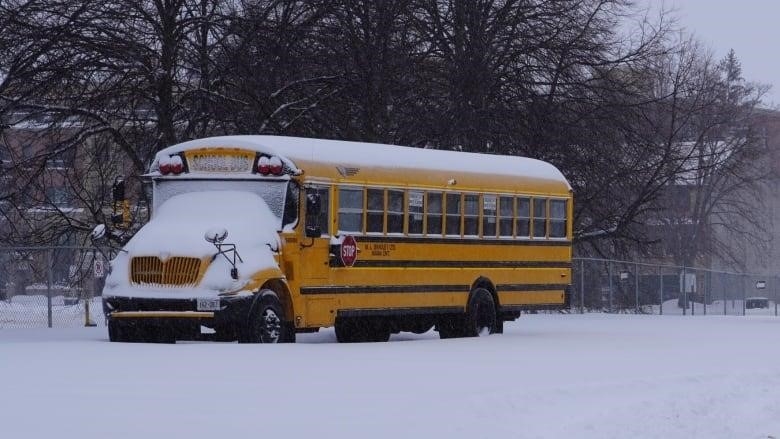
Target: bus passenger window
[(351, 210), (415, 226), (434, 213), (471, 215), (523, 217), (453, 214), (540, 217), (395, 211), (324, 193), (557, 218), (506, 213), (489, 216), (375, 211)]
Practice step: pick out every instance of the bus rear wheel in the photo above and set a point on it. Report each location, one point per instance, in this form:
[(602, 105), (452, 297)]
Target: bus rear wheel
[(481, 319)]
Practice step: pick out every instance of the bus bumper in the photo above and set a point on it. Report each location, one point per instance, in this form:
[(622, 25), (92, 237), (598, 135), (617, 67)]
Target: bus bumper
[(181, 315)]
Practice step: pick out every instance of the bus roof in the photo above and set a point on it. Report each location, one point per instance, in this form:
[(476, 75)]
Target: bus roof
[(392, 164)]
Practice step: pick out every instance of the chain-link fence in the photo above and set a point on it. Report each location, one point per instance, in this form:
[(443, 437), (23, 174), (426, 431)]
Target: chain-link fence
[(635, 287), (51, 286), (60, 287)]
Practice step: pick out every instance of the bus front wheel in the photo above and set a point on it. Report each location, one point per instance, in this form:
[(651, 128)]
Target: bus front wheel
[(267, 321)]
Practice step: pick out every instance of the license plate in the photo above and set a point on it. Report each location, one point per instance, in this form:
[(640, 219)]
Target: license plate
[(208, 304)]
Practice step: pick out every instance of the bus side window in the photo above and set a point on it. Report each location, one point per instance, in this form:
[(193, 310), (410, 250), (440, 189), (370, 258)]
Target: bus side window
[(506, 213), (434, 213), (471, 215), (523, 217), (540, 217), (395, 211), (454, 209), (557, 218), (351, 210), (318, 220), (415, 218), (375, 210), (489, 216)]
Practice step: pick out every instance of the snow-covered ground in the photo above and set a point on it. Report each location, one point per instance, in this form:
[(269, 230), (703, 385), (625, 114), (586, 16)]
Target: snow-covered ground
[(548, 376)]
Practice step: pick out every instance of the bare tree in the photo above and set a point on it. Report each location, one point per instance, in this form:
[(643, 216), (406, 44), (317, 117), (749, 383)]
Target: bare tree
[(134, 74)]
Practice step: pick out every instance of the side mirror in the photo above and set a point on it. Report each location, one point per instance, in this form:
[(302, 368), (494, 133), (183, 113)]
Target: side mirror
[(313, 210), (98, 232), (215, 235)]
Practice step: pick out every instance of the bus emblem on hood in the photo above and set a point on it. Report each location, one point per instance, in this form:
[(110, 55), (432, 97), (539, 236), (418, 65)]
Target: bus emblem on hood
[(347, 171)]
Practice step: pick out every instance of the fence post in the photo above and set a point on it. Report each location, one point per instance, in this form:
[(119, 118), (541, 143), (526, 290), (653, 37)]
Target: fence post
[(636, 287), (661, 291), (582, 286), (89, 293), (609, 274), (707, 284), (685, 291), (725, 300), (693, 293), (744, 296), (49, 282)]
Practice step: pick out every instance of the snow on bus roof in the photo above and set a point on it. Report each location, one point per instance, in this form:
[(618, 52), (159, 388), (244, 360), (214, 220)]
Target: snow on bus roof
[(373, 154)]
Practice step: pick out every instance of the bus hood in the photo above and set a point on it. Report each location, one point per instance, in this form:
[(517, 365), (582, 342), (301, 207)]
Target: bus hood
[(178, 228)]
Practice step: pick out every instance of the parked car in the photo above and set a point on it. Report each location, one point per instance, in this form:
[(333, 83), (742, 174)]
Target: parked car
[(756, 302)]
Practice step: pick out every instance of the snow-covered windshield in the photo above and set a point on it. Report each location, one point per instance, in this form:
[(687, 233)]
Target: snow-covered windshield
[(280, 196)]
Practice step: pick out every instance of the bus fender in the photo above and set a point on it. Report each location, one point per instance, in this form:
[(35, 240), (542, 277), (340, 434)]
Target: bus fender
[(484, 282), (280, 288)]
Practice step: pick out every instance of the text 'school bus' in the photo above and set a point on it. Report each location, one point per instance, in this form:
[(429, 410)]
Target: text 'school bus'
[(262, 237)]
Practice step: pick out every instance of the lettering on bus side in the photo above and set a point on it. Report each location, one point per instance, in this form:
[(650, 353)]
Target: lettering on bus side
[(380, 249)]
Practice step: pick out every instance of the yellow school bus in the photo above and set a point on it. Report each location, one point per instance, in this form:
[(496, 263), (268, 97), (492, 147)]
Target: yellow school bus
[(257, 238)]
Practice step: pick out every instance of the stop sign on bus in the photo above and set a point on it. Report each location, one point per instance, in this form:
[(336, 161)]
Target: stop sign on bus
[(348, 251)]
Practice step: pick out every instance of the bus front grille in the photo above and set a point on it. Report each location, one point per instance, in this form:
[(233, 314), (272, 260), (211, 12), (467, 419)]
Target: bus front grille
[(175, 271)]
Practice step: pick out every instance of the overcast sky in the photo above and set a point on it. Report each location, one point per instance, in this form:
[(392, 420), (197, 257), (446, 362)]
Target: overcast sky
[(750, 27)]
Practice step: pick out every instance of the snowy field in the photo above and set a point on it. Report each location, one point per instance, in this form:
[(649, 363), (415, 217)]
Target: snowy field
[(548, 376)]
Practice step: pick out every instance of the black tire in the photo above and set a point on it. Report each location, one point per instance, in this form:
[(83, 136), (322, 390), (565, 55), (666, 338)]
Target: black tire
[(361, 330), (267, 321), (481, 318)]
